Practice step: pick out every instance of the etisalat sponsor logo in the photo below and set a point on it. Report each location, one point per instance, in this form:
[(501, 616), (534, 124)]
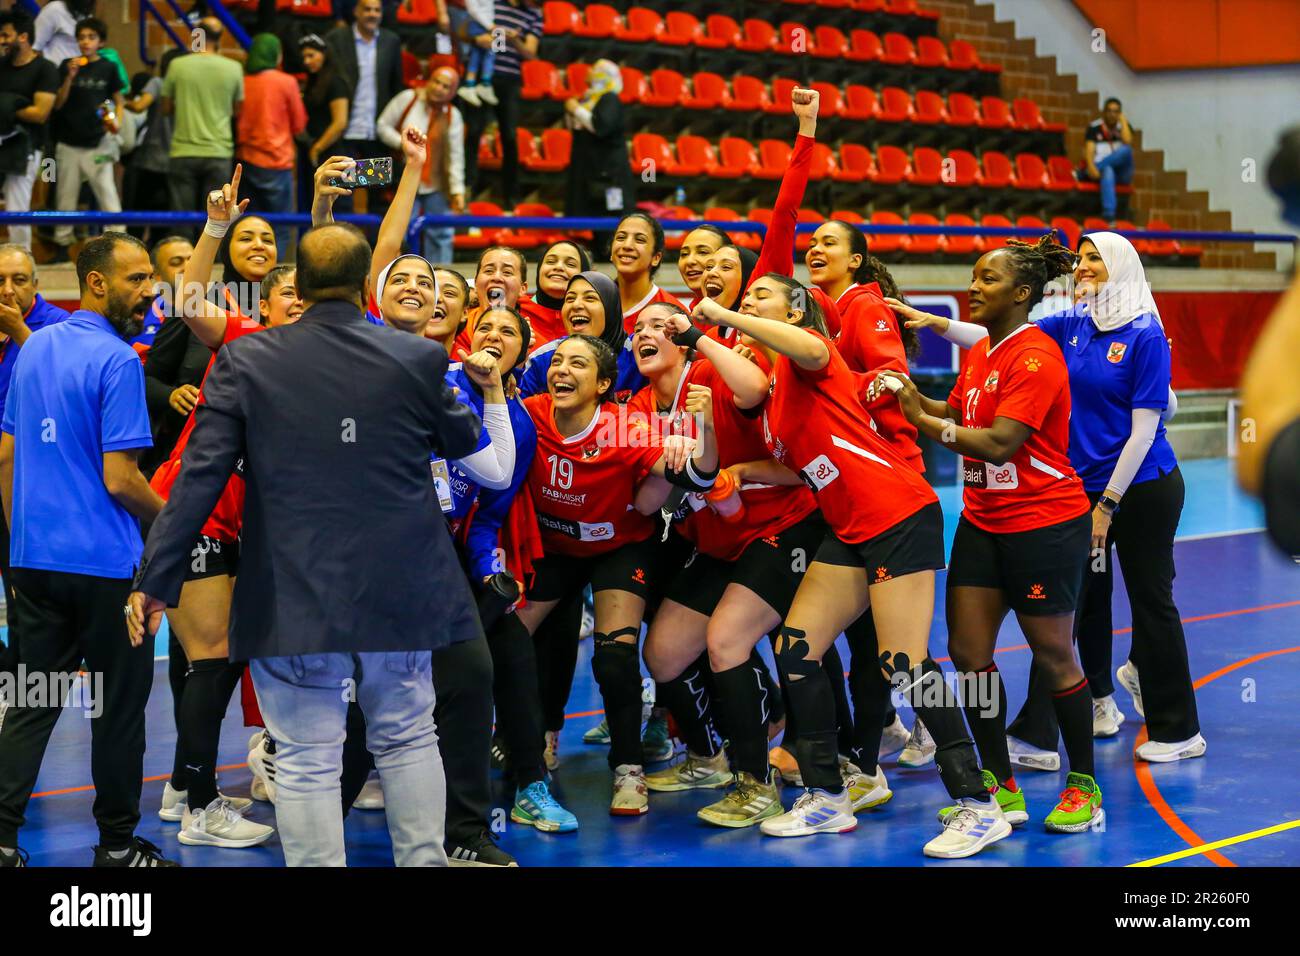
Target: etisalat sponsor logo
[(78, 910), (24, 688)]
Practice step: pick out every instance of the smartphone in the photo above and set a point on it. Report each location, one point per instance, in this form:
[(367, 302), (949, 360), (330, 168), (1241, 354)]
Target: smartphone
[(366, 173)]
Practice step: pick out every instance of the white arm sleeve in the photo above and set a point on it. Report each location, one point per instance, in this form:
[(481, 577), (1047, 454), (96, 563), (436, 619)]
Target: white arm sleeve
[(494, 466), (1172, 408), (964, 334), (1135, 449)]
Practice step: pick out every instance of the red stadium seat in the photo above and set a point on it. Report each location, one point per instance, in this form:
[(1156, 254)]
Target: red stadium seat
[(673, 239), (540, 79), (1143, 246), (802, 240), (558, 18), (965, 169), (634, 84), (927, 167), (720, 32), (773, 159), (556, 147), (847, 215), (748, 93), (963, 110), (963, 56), (667, 89), (892, 165), (1031, 173), (305, 8), (708, 92), (860, 103), (489, 152), (898, 50), (598, 22), (989, 243), (738, 158), (416, 13), (996, 171), (823, 164), (929, 109), (746, 240), (864, 47), (795, 38), (883, 243), (830, 101), (640, 25), (931, 53), (834, 4), (651, 151), (959, 245), (1027, 117), (680, 29), (922, 245), (856, 164), (996, 114), (572, 82), (895, 105), (529, 238), (486, 236), (782, 87), (696, 152), (1161, 248), (757, 36), (908, 8), (831, 43), (526, 143), (1032, 222), (1060, 174), (1069, 230)]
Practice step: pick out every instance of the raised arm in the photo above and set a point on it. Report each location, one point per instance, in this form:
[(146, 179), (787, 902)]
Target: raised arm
[(392, 232), (799, 345), (206, 320), (745, 379), (324, 194), (777, 254)]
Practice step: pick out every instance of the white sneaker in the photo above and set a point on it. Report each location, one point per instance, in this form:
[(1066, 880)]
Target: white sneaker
[(223, 826), (972, 826), (865, 790), (487, 95), (1154, 751), (920, 747), (630, 796), (470, 95), (371, 796), (816, 811), (1027, 755), (1127, 675), (262, 764), (174, 803), (893, 738), (551, 754), (1106, 717)]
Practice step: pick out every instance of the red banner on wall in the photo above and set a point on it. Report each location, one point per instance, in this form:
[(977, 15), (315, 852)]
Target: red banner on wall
[(1211, 334)]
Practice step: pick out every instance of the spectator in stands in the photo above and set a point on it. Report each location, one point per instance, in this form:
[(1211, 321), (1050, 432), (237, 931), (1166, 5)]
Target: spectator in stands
[(600, 179), (145, 184), (369, 58), (518, 32), (1108, 154), (33, 81), (203, 92), (86, 147), (325, 95), (272, 116), (476, 19), (442, 184), (56, 28)]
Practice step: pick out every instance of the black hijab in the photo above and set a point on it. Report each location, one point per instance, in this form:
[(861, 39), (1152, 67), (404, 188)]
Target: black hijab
[(613, 336), (748, 260), (230, 276), (542, 298)]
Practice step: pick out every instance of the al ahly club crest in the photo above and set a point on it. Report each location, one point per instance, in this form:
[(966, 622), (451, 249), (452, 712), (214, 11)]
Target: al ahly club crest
[(991, 383), (1116, 353)]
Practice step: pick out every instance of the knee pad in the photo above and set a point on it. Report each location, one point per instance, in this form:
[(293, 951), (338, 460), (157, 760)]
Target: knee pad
[(614, 663), (793, 656)]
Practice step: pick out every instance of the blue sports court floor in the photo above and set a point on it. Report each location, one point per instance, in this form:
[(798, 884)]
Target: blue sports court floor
[(1240, 601)]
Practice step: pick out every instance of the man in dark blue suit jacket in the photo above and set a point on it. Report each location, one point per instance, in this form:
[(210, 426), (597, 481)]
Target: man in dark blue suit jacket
[(348, 578)]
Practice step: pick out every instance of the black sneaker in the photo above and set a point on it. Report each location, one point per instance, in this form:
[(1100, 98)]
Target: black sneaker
[(14, 859), (141, 853), (481, 850), (500, 755)]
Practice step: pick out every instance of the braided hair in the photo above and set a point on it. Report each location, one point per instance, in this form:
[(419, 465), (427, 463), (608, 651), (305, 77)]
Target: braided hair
[(1037, 264)]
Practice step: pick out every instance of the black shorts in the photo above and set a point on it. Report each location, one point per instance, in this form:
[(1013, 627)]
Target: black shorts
[(771, 567), (1040, 572), (210, 558), (631, 567), (914, 544)]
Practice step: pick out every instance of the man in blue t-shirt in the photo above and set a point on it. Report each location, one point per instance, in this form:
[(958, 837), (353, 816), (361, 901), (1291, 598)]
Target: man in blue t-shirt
[(74, 421)]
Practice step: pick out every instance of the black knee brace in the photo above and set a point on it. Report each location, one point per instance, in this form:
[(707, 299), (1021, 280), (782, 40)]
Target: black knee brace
[(792, 656), (614, 662)]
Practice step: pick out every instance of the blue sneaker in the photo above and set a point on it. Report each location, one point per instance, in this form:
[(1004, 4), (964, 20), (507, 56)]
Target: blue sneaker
[(535, 806), (656, 745)]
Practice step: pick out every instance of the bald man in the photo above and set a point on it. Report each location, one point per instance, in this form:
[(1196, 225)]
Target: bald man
[(349, 578)]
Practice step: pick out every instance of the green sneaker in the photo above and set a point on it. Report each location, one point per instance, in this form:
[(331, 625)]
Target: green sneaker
[(1012, 802), (749, 802), (695, 772), (656, 745), (1080, 806), (598, 735)]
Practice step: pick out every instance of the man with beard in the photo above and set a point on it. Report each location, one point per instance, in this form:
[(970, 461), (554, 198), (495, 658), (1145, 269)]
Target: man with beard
[(73, 424), (33, 82)]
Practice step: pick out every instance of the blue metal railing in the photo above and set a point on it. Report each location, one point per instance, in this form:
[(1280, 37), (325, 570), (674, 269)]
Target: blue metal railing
[(31, 6)]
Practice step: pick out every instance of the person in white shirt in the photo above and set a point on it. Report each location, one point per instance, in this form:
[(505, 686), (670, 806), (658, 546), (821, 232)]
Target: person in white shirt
[(442, 184), (56, 28)]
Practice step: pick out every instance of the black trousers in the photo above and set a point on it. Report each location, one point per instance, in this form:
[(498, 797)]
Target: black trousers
[(462, 684), (191, 178), (1142, 533), (9, 650), (507, 89), (63, 619)]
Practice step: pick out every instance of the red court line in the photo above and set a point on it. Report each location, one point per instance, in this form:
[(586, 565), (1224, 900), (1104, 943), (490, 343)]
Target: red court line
[(165, 776), (1143, 769)]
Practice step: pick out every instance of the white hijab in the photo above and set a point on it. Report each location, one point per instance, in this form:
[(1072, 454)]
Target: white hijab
[(383, 279), (1126, 294)]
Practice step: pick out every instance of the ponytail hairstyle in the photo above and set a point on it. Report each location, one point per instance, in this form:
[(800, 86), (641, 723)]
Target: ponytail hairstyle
[(873, 270), (1037, 264), (606, 363), (796, 296), (656, 231)]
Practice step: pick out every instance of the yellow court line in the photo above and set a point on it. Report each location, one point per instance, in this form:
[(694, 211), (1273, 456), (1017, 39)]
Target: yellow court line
[(1217, 844)]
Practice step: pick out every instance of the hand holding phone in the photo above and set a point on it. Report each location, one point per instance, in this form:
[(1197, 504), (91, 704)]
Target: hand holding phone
[(366, 173)]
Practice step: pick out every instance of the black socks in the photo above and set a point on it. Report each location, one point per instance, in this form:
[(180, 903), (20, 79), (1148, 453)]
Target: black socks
[(744, 708), (988, 718), (518, 698), (687, 696), (208, 689), (1073, 708), (618, 673)]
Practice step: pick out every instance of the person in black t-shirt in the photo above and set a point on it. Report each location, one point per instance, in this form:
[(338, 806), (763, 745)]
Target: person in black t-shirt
[(326, 97), (85, 147), (33, 81), (1108, 154)]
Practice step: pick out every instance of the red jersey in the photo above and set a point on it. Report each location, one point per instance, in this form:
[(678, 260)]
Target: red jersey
[(583, 486), (228, 516), (769, 509), (1024, 378), (814, 423), (545, 324), (656, 295), (870, 340)]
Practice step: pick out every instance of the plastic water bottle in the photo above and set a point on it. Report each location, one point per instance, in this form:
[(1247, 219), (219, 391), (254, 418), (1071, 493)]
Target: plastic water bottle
[(679, 197)]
